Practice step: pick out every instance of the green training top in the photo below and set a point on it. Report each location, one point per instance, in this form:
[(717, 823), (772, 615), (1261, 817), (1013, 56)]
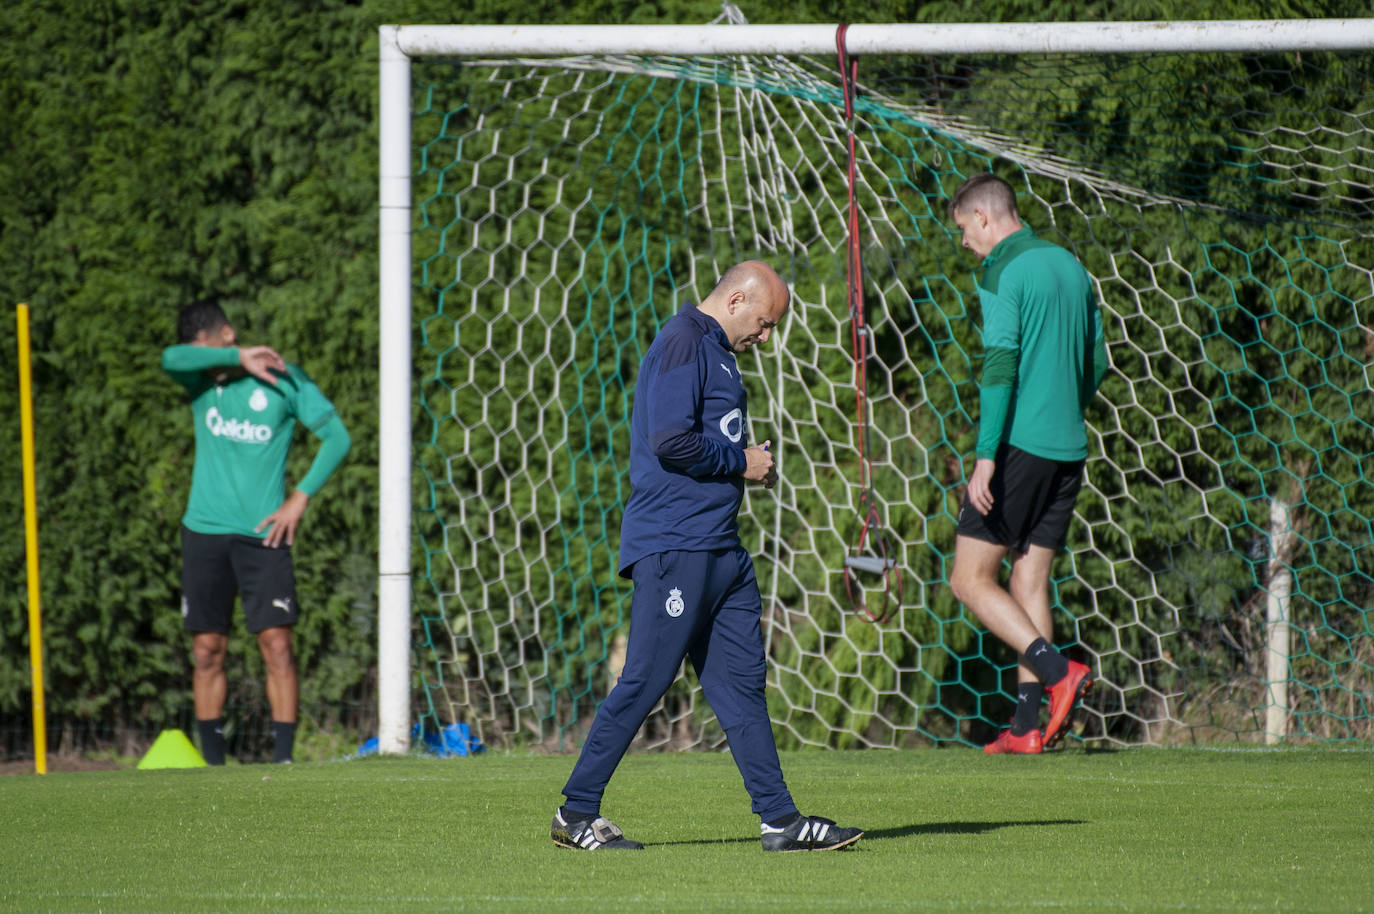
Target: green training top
[(243, 431), (1044, 350)]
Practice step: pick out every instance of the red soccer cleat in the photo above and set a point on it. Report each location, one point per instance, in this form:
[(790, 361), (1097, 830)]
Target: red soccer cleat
[(1028, 743), (1064, 696)]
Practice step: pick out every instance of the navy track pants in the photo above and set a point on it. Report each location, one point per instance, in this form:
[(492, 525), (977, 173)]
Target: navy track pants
[(704, 606)]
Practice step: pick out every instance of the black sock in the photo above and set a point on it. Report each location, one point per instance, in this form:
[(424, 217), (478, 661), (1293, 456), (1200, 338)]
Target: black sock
[(211, 740), (784, 821), (1027, 716), (1049, 665), (573, 815), (283, 739)]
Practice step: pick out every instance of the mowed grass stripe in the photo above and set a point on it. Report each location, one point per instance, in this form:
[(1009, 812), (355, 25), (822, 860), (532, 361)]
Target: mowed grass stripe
[(947, 830)]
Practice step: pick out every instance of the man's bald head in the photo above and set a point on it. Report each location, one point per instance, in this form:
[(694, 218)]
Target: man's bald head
[(752, 275), (748, 302)]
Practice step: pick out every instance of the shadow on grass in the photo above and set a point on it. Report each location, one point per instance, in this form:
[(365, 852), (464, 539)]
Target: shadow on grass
[(904, 831), (961, 828)]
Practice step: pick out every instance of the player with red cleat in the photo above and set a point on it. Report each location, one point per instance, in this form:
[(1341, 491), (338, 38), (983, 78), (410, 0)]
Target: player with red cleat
[(1045, 356)]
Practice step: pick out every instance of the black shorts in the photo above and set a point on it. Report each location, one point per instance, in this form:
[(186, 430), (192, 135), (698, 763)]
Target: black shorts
[(1032, 502), (215, 567)]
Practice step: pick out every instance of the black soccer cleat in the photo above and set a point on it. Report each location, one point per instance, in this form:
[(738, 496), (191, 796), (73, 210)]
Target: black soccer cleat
[(590, 834), (809, 833)]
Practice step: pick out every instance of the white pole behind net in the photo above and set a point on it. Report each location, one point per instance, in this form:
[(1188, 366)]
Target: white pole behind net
[(394, 432), (399, 44)]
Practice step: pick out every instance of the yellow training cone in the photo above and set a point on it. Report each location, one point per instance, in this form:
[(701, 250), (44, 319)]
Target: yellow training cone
[(171, 749)]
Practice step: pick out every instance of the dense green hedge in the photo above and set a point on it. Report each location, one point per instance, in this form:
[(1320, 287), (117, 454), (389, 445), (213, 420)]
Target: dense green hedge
[(153, 152), (156, 153)]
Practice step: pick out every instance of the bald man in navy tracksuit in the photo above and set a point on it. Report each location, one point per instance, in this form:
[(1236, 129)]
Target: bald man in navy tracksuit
[(695, 594)]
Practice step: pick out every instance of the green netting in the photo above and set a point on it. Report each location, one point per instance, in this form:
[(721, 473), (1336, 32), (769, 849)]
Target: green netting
[(567, 208)]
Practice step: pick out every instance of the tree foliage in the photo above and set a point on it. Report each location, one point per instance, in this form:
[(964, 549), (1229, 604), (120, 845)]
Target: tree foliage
[(156, 152)]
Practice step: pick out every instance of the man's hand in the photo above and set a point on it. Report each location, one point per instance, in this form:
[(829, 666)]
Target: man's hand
[(979, 491), (284, 520), (759, 466), (260, 362)]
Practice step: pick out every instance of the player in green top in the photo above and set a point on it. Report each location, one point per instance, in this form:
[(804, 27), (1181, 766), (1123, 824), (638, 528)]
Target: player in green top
[(239, 523), (1044, 357)]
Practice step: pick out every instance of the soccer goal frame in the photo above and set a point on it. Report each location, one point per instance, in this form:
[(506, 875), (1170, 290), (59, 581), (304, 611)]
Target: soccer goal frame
[(399, 45)]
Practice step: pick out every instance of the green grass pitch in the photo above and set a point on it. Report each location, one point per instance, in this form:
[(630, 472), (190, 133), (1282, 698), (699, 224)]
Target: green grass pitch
[(947, 830)]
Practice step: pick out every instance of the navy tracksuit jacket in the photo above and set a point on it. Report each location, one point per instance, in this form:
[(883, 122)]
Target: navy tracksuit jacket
[(695, 593)]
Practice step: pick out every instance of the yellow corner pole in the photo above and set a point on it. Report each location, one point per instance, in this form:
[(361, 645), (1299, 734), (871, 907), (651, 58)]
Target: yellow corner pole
[(40, 723)]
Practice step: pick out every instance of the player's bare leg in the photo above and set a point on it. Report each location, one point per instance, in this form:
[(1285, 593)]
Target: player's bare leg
[(208, 682), (1030, 588), (283, 687), (208, 688), (974, 582)]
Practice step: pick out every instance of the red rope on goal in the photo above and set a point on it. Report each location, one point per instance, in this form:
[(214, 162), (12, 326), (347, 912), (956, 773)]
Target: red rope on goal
[(871, 535)]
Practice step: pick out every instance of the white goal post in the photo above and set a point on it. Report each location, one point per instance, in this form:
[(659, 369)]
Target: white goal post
[(400, 44)]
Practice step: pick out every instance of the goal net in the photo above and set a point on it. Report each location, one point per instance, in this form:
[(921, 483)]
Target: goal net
[(1218, 571)]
